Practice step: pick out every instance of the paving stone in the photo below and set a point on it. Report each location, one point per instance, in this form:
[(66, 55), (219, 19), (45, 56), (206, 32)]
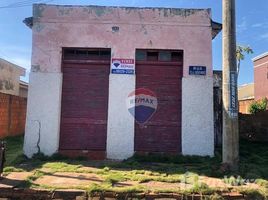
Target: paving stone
[(64, 179), (14, 179)]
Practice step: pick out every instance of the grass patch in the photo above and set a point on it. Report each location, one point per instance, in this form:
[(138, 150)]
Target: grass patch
[(61, 167), (14, 152), (263, 183), (114, 178), (107, 187), (255, 194), (153, 167), (13, 169)]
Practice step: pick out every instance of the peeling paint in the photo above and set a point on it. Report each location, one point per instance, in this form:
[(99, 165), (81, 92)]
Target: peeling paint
[(38, 27), (38, 10), (64, 11), (87, 9), (179, 12), (184, 12), (150, 43), (35, 68), (140, 16), (143, 29), (99, 11), (128, 10)]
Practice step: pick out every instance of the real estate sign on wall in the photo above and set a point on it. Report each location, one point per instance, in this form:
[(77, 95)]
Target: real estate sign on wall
[(122, 66)]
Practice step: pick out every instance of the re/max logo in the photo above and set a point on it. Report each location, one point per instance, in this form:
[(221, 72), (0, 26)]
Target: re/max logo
[(141, 101)]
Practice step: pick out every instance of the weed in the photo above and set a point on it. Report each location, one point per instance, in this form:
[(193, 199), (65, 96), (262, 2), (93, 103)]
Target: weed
[(106, 169), (234, 181), (255, 194), (114, 178), (14, 153), (201, 188), (262, 182), (61, 167), (13, 169)]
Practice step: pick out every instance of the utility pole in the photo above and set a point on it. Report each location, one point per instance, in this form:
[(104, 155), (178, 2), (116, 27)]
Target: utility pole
[(230, 148)]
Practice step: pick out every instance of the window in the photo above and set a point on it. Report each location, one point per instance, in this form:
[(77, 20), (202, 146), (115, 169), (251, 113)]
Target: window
[(86, 54), (159, 55)]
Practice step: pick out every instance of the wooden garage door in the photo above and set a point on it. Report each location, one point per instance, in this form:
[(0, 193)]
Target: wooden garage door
[(160, 72), (84, 99)]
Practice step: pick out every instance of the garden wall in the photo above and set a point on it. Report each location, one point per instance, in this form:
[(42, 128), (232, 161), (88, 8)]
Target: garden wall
[(244, 105), (254, 127), (12, 115)]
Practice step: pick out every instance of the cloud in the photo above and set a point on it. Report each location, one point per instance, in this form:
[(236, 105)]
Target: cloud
[(18, 55), (257, 25), (243, 26), (260, 25), (264, 36), (23, 62)]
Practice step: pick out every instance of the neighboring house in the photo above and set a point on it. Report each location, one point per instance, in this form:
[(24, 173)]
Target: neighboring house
[(88, 60), (10, 77), (261, 76), (23, 90), (245, 97), (12, 99)]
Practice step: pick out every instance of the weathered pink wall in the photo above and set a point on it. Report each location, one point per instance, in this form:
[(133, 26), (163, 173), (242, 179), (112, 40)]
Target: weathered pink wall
[(261, 78), (55, 27), (90, 26)]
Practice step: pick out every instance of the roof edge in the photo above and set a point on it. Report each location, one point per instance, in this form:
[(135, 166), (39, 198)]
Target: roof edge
[(260, 56), (216, 28), (21, 69), (125, 7)]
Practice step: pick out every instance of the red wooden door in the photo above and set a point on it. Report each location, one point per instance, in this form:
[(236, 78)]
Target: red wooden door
[(162, 133), (84, 104)]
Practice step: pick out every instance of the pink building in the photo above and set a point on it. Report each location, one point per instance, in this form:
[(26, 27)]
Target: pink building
[(261, 76), (88, 60)]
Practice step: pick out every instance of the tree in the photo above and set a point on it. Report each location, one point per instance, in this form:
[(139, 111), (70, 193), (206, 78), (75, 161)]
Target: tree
[(240, 54)]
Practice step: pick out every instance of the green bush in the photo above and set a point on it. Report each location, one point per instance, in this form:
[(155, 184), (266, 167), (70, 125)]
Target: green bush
[(258, 106)]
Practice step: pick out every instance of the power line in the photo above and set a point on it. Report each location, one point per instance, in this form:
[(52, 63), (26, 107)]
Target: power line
[(24, 3)]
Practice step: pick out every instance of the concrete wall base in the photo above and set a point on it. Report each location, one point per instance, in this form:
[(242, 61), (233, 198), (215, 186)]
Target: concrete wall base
[(197, 116), (120, 133), (43, 113)]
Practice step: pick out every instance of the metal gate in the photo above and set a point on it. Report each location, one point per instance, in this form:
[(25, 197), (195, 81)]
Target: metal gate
[(84, 99), (161, 72)]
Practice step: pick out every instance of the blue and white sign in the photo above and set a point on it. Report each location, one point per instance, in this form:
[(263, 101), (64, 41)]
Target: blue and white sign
[(233, 107), (122, 66), (198, 70)]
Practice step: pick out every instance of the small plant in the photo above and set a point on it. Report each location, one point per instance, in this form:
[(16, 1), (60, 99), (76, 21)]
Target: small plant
[(13, 169), (255, 194), (258, 106), (106, 169), (233, 181)]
